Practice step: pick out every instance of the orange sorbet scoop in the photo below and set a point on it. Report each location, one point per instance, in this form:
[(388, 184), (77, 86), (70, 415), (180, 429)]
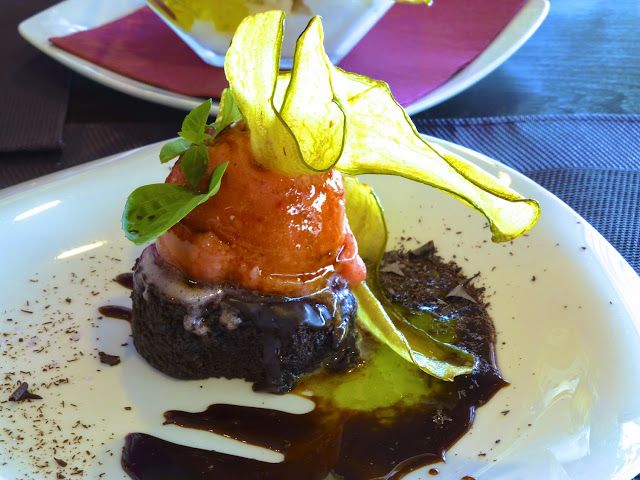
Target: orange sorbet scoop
[(264, 231)]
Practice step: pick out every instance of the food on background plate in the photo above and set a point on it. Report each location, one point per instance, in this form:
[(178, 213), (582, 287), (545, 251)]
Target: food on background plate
[(226, 15), (262, 237), (207, 26)]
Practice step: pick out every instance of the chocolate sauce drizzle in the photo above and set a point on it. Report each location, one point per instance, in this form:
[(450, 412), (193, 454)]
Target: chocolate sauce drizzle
[(115, 311), (354, 445), (380, 443), (125, 279)]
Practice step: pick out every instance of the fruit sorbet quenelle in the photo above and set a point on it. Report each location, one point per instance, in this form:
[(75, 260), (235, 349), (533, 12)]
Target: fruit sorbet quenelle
[(264, 230)]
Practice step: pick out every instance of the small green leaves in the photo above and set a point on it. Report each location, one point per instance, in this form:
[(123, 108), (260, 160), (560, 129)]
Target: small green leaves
[(196, 134), (190, 145), (172, 149), (194, 124), (228, 113), (151, 210), (194, 163)]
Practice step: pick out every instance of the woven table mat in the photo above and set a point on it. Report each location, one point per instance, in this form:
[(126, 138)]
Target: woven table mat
[(83, 142), (34, 89), (591, 162)]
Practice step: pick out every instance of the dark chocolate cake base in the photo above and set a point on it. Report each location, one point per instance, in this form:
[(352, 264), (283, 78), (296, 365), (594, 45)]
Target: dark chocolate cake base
[(192, 330)]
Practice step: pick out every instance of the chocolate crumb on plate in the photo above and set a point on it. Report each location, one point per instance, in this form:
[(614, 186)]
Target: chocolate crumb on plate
[(23, 393), (110, 360), (426, 250)]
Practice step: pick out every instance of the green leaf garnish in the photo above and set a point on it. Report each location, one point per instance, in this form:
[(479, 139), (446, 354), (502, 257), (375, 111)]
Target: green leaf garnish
[(228, 113), (375, 311), (194, 124), (193, 137), (195, 132), (174, 148), (194, 163), (151, 210), (190, 145)]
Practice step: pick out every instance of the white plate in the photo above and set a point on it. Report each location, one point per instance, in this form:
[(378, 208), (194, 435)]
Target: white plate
[(71, 16), (569, 339)]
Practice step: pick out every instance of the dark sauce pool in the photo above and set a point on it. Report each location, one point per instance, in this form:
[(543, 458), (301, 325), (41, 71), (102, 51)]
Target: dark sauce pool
[(125, 279), (381, 421), (116, 311)]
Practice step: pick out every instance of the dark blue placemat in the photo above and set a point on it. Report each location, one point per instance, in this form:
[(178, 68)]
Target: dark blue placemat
[(591, 162), (83, 142)]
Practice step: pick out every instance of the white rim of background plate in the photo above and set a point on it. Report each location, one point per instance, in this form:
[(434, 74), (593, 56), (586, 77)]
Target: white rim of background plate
[(71, 16)]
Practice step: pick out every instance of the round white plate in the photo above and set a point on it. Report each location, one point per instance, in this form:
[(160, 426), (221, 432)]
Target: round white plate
[(71, 16), (565, 305)]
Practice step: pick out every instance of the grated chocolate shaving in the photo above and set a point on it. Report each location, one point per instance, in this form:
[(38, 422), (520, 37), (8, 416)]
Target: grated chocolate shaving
[(460, 292), (395, 267), (427, 250)]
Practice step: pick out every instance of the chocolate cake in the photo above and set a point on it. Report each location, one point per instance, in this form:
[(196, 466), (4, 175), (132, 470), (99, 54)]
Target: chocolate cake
[(193, 330)]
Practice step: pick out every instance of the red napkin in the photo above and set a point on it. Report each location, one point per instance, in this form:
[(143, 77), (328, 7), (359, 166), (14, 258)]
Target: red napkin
[(414, 48)]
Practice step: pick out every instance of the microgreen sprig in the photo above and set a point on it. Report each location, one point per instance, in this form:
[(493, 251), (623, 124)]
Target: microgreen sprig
[(151, 210), (191, 144)]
